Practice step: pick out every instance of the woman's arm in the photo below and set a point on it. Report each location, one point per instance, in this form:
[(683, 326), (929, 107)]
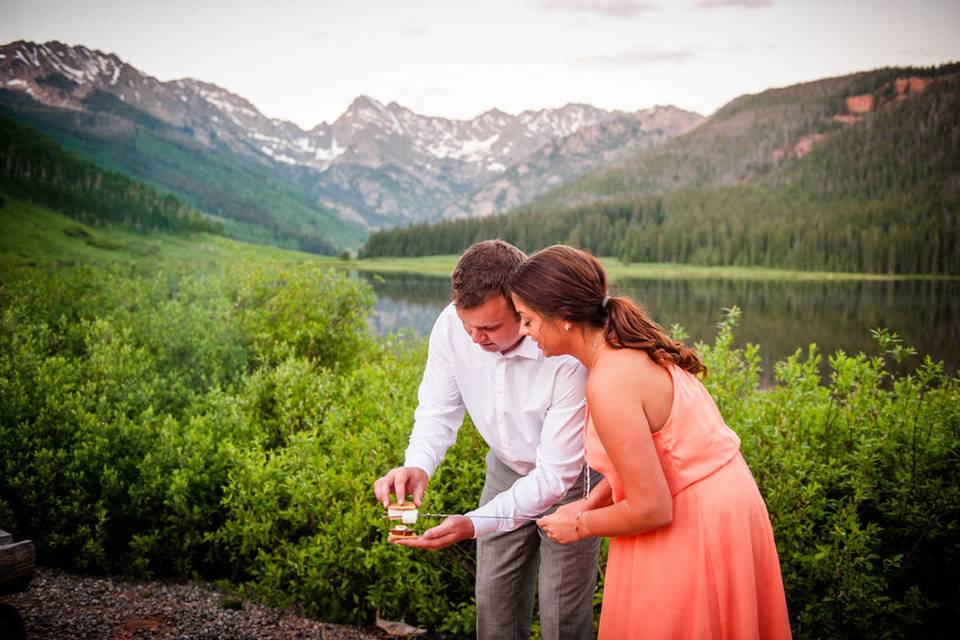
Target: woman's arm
[(566, 516), (615, 395), (600, 496)]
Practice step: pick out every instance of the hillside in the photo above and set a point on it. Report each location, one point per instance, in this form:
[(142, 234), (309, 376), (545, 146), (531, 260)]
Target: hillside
[(35, 168), (251, 203), (858, 173), (32, 234), (752, 136), (56, 207)]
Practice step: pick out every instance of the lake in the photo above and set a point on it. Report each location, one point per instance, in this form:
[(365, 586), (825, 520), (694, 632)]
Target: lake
[(780, 316)]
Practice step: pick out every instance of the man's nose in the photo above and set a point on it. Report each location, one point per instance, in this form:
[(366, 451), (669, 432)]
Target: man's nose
[(476, 336)]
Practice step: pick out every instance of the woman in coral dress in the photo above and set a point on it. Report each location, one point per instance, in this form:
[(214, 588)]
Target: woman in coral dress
[(692, 553)]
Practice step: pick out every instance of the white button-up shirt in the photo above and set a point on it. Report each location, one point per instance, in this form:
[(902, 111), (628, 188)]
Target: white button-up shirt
[(528, 408)]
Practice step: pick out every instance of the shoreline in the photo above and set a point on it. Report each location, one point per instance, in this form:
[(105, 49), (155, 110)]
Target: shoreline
[(442, 265)]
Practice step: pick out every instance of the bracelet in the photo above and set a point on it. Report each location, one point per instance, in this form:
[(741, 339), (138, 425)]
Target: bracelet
[(576, 527)]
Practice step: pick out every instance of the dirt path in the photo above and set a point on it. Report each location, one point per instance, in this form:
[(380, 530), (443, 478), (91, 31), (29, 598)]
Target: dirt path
[(61, 605)]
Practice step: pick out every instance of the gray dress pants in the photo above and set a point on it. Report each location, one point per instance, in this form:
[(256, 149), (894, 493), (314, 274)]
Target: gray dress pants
[(508, 564)]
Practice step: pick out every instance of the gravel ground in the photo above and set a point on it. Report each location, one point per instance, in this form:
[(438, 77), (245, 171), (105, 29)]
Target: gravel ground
[(61, 605)]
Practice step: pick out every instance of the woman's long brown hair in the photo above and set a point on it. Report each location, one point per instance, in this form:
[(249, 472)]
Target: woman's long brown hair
[(569, 284)]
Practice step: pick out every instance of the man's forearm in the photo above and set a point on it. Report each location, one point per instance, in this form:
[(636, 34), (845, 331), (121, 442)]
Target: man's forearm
[(527, 497)]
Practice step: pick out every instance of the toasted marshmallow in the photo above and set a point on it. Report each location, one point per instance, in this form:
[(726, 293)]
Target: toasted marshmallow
[(406, 512)]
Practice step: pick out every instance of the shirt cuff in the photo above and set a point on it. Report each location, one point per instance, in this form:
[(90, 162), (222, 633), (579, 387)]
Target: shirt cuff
[(482, 526), (420, 460)]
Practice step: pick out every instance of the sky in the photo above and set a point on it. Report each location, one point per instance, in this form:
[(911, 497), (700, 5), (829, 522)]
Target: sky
[(307, 60)]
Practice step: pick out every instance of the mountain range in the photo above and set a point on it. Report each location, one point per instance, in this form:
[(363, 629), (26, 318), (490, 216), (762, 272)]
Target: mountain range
[(375, 166)]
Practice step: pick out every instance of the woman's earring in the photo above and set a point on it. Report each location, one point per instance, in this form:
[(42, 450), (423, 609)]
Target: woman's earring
[(566, 326)]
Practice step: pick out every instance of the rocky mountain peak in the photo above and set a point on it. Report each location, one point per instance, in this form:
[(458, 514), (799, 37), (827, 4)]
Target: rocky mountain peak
[(361, 103), (58, 74), (78, 64), (367, 111)]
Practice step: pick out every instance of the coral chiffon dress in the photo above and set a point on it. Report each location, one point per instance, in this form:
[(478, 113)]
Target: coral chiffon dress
[(713, 571)]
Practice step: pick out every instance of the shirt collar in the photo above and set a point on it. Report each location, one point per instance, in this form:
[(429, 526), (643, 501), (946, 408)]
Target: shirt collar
[(526, 349)]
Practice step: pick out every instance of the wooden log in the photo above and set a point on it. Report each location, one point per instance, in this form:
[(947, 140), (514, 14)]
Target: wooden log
[(17, 561)]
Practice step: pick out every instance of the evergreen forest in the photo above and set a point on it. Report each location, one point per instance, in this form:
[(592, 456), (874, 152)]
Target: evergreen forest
[(34, 168)]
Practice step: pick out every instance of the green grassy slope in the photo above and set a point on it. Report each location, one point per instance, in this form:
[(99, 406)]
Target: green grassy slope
[(257, 202), (32, 234), (35, 168)]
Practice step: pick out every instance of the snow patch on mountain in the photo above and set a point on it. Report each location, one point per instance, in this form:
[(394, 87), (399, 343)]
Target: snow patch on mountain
[(329, 155), (475, 149), (279, 157)]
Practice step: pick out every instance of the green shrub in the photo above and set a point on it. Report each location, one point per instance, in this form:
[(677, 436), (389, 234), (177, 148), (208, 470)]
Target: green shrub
[(302, 517), (126, 399), (304, 311)]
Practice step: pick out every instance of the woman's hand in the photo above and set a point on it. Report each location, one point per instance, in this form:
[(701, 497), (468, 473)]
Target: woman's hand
[(561, 525)]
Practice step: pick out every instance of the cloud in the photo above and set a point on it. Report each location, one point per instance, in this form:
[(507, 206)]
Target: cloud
[(637, 58), (745, 4), (610, 8)]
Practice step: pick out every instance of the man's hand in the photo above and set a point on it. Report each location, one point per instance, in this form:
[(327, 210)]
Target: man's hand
[(402, 481), (450, 531)]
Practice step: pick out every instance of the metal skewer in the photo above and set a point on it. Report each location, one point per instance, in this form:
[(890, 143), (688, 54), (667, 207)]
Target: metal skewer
[(448, 515)]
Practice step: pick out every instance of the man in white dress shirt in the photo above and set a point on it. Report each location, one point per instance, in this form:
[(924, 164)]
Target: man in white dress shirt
[(529, 409)]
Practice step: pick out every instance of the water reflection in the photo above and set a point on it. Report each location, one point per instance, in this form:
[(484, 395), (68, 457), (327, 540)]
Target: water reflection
[(779, 316), (406, 301)]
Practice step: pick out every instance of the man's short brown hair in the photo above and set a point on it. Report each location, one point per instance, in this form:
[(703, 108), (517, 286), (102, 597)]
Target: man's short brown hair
[(484, 270)]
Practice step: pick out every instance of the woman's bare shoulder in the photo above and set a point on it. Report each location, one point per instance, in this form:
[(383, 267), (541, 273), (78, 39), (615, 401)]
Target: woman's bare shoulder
[(619, 372), (627, 373)]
